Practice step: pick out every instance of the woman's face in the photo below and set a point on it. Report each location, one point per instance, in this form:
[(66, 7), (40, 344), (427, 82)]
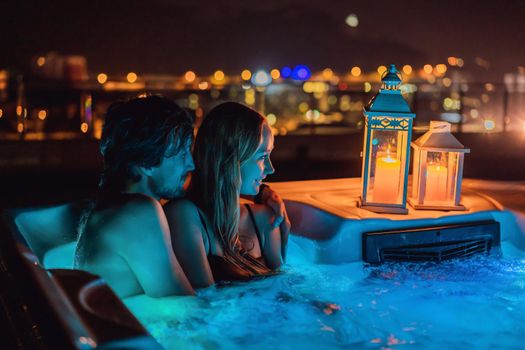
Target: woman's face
[(255, 169)]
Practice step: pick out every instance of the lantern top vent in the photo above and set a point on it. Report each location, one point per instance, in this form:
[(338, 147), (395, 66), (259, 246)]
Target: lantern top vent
[(391, 79), (439, 137), (389, 99)]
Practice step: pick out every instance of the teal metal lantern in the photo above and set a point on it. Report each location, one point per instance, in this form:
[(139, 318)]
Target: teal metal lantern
[(386, 149)]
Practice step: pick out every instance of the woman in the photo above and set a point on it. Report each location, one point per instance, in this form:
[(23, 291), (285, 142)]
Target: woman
[(214, 237)]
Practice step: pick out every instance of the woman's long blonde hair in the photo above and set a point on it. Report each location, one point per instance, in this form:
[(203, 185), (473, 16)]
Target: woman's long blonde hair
[(228, 136)]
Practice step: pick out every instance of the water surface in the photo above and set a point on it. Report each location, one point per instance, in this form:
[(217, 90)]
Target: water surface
[(463, 304)]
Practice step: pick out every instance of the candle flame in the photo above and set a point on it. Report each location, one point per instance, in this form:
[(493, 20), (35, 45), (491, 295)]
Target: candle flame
[(388, 158), (437, 167)]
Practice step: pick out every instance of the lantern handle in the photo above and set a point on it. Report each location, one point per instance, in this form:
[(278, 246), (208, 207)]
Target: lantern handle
[(392, 69), (387, 78)]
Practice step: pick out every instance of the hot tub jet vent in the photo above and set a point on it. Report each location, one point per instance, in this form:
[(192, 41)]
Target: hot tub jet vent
[(431, 243)]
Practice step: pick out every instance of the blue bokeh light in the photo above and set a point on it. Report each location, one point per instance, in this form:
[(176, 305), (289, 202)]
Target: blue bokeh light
[(301, 72), (286, 72)]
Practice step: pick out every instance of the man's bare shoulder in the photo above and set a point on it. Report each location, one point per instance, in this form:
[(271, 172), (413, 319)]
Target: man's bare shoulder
[(139, 205), (128, 215)]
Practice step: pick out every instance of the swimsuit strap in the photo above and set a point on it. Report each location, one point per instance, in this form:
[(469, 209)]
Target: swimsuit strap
[(206, 230), (252, 217)]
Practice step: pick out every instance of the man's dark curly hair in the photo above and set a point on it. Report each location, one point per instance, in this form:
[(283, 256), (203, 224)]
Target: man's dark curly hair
[(139, 132)]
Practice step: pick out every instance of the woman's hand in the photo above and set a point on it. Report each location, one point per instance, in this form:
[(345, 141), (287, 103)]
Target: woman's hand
[(271, 199)]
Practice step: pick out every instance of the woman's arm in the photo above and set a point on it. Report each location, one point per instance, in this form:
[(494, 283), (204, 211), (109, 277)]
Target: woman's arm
[(187, 241), (272, 242), (270, 198)]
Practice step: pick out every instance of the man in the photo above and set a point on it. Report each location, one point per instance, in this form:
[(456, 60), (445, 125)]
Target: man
[(124, 236)]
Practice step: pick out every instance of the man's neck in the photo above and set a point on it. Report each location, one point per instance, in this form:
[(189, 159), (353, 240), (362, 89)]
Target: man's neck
[(142, 188)]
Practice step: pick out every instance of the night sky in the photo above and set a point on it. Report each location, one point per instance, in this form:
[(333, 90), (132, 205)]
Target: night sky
[(167, 36)]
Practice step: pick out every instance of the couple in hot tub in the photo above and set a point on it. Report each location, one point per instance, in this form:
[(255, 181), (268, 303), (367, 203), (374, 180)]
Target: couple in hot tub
[(200, 237)]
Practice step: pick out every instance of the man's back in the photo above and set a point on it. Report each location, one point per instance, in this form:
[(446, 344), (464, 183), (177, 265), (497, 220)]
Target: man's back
[(127, 242)]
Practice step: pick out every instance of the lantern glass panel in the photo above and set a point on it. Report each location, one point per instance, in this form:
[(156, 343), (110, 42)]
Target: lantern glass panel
[(386, 166), (441, 175)]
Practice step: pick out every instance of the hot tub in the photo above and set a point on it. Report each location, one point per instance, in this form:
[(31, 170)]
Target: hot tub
[(327, 213), (45, 303), (326, 296)]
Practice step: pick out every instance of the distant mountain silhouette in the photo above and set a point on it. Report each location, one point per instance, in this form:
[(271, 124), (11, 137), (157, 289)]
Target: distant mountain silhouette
[(163, 37), (300, 35)]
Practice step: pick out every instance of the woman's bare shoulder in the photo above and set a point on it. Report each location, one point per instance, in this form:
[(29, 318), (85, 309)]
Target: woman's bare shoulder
[(185, 220), (181, 208)]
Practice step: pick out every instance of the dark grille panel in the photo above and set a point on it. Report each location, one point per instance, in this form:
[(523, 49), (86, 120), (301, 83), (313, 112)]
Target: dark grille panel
[(436, 252), (431, 243)]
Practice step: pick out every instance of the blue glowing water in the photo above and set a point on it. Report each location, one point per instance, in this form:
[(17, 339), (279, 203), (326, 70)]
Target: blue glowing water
[(477, 303)]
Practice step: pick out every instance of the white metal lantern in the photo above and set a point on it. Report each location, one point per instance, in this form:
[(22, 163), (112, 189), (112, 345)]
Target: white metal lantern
[(386, 149), (437, 169)]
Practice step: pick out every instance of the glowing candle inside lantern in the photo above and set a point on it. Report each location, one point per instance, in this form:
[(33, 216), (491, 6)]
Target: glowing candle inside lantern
[(386, 181), (436, 186)]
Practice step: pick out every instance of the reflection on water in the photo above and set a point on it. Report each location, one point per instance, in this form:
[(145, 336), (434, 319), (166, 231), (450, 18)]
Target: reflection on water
[(464, 304)]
